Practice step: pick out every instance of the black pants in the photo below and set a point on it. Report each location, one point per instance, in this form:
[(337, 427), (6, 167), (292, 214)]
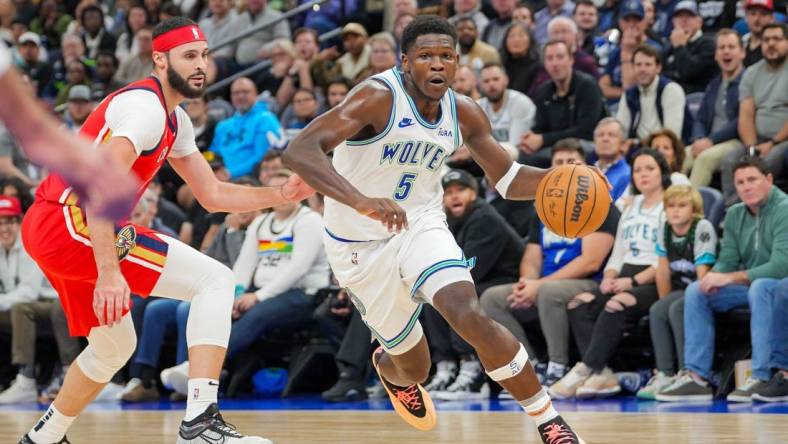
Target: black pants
[(353, 343), (598, 332)]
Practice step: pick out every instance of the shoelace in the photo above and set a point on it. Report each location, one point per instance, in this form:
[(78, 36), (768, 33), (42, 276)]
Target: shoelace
[(558, 434), (464, 379), (226, 427), (410, 397), (749, 384)]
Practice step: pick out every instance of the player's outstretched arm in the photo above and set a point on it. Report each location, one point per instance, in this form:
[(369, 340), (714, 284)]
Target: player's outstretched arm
[(364, 111), (215, 195), (93, 175), (489, 154)]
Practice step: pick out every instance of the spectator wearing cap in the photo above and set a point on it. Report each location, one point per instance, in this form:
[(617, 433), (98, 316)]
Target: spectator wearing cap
[(24, 298), (715, 129), (78, 107), (140, 65), (689, 59), (495, 248), (763, 114), (543, 17), (757, 14), (356, 57), (40, 73), (619, 74), (473, 52), (243, 139), (257, 12), (94, 35)]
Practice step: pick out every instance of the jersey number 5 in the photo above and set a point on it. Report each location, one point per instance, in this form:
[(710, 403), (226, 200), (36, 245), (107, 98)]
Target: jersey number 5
[(405, 185)]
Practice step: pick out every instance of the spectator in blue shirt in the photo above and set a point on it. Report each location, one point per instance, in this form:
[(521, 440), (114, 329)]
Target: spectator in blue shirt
[(608, 142), (243, 139)]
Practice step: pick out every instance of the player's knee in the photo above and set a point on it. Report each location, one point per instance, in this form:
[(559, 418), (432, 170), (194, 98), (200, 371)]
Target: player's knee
[(108, 350)]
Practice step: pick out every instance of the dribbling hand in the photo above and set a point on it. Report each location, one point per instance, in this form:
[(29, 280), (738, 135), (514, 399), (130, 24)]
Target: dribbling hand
[(110, 297), (388, 212)]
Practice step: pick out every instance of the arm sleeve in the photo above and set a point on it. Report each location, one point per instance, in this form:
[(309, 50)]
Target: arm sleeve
[(138, 116), (307, 246), (673, 101), (523, 112), (184, 141), (484, 243), (30, 279), (777, 264), (705, 243), (246, 264)]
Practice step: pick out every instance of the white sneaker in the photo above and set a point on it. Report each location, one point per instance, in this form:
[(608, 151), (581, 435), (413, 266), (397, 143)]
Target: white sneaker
[(176, 378), (656, 384), (131, 385), (210, 427), (110, 392), (567, 386), (444, 375), (469, 385), (23, 389)]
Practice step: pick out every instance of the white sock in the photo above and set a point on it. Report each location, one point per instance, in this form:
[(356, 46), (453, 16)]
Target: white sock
[(539, 407), (51, 427), (202, 393)]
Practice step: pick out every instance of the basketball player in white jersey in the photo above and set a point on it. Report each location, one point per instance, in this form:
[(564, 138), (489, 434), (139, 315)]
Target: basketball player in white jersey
[(386, 235), (100, 182)]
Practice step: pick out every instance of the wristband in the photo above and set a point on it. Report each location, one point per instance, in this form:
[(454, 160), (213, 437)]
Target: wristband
[(506, 181)]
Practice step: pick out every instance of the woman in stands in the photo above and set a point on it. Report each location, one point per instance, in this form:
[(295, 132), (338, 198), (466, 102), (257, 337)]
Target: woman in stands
[(599, 319), (670, 145)]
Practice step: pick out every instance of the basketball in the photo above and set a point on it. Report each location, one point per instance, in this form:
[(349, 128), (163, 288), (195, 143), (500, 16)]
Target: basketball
[(572, 201)]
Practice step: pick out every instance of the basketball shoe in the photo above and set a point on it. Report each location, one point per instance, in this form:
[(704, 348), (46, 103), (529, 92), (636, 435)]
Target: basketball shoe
[(26, 440), (557, 431), (210, 427), (471, 384), (412, 403), (445, 374)]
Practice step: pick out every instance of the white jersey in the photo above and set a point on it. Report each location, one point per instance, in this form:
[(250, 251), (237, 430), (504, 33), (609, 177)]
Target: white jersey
[(402, 163)]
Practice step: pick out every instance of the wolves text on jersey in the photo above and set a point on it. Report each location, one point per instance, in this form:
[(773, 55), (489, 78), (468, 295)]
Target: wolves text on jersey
[(414, 152)]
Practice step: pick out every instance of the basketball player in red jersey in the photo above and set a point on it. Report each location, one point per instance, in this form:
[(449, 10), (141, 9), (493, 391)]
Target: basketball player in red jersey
[(94, 264), (100, 183)]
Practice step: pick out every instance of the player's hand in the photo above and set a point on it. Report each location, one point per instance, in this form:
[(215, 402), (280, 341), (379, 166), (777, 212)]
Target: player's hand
[(296, 190), (110, 297), (244, 304), (388, 212), (102, 186)]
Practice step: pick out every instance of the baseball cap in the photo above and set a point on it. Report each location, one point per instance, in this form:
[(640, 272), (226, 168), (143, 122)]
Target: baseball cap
[(631, 7), (354, 28), (79, 93), (461, 177), (30, 37), (765, 4), (10, 206), (686, 5)]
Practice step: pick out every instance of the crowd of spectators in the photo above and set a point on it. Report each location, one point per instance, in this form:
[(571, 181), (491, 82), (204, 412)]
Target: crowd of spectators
[(683, 105)]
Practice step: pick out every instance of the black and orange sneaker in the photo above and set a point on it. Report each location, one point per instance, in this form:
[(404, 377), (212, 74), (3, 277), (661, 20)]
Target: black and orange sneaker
[(557, 431), (412, 403)]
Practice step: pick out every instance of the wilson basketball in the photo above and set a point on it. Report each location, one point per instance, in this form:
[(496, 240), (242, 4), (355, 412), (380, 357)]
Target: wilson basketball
[(572, 201)]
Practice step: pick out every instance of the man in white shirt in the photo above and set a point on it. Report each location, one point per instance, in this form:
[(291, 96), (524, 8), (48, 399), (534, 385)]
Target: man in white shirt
[(652, 111), (511, 112)]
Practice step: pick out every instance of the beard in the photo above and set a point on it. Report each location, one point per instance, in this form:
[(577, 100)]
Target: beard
[(777, 61), (182, 85)]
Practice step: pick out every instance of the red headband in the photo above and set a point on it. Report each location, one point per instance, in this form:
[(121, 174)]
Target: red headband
[(178, 37)]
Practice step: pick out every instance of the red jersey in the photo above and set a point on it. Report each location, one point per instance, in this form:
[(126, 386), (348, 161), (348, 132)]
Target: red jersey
[(119, 114)]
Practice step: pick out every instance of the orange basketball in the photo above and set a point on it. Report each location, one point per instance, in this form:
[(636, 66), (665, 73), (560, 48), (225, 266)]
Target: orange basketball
[(572, 201)]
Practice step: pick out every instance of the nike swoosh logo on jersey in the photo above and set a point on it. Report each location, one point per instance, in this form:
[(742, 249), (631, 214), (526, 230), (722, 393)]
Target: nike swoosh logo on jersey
[(405, 122)]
